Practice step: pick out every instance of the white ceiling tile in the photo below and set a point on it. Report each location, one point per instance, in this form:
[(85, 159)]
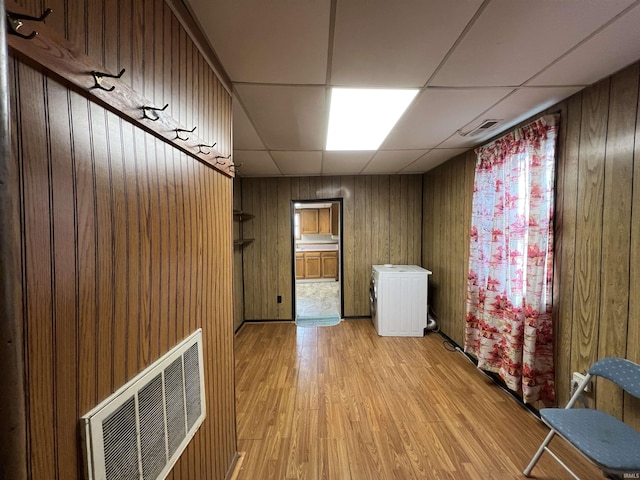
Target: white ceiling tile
[(245, 136), (345, 162), (298, 163), (436, 113), (579, 67), (514, 39), (255, 163), (391, 161), (432, 159), (288, 118), (279, 41), (383, 43)]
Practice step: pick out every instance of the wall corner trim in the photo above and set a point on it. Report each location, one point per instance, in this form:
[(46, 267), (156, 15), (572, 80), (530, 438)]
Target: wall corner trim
[(13, 454)]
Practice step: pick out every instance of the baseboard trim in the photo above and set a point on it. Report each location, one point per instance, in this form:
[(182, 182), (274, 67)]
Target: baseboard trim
[(236, 465)]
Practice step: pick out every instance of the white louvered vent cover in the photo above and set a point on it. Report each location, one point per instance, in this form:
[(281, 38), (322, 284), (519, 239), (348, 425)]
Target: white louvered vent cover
[(485, 126), (139, 432)]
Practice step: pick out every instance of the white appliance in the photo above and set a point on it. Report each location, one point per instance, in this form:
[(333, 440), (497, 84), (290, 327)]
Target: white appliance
[(398, 297)]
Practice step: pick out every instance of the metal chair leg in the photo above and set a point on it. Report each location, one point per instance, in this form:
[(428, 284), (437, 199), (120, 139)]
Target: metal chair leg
[(538, 454)]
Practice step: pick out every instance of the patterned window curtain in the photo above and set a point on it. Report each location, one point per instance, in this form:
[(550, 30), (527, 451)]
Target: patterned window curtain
[(509, 325)]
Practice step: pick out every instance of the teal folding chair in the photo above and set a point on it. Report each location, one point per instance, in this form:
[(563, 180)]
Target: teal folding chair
[(609, 443)]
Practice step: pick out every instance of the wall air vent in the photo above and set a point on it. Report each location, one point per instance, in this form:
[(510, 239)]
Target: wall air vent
[(141, 430), (485, 126)]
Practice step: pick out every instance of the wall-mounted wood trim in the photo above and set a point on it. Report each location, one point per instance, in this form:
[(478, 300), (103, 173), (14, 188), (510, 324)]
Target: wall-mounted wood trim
[(13, 460), (63, 59)]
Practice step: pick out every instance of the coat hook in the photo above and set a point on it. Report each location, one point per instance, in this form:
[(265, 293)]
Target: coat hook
[(220, 156), (153, 109), (14, 22), (233, 168), (178, 130), (200, 145), (98, 76)]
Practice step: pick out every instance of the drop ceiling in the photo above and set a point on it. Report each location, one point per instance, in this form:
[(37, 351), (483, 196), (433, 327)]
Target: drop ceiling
[(471, 59)]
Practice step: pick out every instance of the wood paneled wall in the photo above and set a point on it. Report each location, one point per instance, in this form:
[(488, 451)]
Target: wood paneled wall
[(126, 241), (448, 192), (238, 293), (381, 224), (597, 225)]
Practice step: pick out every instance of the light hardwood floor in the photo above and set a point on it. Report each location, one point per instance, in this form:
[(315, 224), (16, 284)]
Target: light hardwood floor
[(342, 403)]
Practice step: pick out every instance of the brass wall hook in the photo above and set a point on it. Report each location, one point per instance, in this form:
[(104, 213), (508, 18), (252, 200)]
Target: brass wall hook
[(14, 21)]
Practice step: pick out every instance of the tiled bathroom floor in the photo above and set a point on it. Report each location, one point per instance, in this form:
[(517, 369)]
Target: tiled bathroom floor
[(317, 298)]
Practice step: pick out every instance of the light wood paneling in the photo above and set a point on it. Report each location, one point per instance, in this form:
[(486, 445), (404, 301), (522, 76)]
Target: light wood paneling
[(344, 403), (381, 224), (126, 241), (597, 311)]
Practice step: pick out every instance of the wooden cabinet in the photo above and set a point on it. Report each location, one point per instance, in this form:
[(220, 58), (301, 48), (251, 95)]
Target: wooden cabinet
[(316, 220), (310, 265), (324, 221), (300, 271), (309, 221), (329, 262)]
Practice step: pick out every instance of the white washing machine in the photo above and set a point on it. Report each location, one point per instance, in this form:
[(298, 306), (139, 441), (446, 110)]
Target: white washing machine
[(398, 297)]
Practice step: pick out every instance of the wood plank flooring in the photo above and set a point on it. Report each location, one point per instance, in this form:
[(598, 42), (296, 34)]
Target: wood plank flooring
[(342, 403)]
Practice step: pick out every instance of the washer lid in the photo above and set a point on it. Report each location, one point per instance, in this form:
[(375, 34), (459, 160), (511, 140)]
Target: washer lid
[(387, 268)]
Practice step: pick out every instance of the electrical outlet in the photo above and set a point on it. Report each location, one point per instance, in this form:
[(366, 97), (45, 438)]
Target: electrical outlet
[(578, 378)]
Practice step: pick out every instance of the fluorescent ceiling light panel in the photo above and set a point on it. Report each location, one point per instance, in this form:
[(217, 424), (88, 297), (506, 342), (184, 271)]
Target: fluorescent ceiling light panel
[(361, 118)]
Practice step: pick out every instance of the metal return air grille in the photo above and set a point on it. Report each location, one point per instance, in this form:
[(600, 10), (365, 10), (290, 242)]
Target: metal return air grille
[(140, 431)]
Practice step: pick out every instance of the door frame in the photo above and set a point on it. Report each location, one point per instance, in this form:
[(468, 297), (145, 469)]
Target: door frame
[(292, 236)]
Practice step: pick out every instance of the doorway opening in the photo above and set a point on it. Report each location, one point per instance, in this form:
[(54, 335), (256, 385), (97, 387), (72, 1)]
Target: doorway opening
[(316, 240)]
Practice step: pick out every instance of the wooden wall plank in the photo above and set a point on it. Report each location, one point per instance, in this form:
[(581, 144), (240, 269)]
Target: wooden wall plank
[(65, 300), (130, 161), (362, 265), (119, 250), (631, 403), (616, 225), (111, 27), (564, 233), (104, 248), (589, 226), (39, 323), (283, 246)]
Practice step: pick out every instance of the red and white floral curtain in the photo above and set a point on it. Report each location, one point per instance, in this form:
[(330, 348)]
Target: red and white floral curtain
[(508, 325)]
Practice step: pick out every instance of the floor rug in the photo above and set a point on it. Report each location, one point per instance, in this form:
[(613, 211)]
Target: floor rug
[(318, 320)]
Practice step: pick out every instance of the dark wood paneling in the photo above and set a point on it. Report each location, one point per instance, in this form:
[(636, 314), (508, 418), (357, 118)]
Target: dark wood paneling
[(632, 404), (126, 241), (447, 214), (586, 289), (381, 224), (616, 228), (597, 311)]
